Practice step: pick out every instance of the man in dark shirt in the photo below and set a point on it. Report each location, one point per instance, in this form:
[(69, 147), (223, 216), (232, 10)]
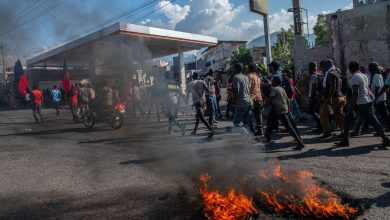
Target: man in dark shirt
[(314, 90), (280, 110), (334, 100)]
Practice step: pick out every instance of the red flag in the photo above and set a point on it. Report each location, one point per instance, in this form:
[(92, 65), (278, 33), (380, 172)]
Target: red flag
[(23, 84), (20, 78), (65, 79)]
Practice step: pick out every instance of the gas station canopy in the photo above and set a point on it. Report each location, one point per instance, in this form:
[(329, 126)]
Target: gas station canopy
[(114, 47)]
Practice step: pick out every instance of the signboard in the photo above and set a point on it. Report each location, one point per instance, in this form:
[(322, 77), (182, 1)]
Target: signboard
[(259, 6), (297, 21)]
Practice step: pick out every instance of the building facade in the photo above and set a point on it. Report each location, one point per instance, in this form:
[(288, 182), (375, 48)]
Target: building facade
[(216, 57)]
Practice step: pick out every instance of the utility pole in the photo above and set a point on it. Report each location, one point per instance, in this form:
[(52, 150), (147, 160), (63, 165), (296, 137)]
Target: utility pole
[(300, 53), (267, 39), (261, 7), (2, 78)]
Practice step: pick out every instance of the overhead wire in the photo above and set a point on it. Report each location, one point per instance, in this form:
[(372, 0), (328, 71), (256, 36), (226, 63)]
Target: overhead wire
[(19, 13), (29, 21), (131, 12)]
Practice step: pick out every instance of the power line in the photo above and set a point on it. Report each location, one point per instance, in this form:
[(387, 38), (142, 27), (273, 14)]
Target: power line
[(102, 23), (154, 11), (131, 12), (22, 25), (19, 13)]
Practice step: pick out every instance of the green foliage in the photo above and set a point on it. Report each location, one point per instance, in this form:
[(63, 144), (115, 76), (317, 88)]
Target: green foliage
[(320, 30), (283, 51), (263, 69), (242, 55)]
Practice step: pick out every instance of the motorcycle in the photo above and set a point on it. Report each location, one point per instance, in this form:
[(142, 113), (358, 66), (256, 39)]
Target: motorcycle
[(114, 117)]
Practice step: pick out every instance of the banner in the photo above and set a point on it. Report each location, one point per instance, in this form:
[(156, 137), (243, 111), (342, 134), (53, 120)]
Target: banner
[(259, 6)]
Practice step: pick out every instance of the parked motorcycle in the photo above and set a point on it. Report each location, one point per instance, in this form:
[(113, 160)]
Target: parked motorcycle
[(114, 117)]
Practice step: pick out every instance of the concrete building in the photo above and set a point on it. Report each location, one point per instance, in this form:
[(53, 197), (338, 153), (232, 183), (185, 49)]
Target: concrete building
[(216, 57), (258, 55), (362, 34), (117, 52)]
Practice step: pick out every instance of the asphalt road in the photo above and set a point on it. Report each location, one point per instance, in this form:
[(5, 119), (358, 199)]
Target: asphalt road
[(60, 170)]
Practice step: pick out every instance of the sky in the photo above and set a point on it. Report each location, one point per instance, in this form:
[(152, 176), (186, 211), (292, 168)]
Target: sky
[(30, 27)]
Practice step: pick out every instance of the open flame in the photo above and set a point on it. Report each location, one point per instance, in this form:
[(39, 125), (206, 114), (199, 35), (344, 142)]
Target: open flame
[(230, 207), (292, 192), (307, 199)]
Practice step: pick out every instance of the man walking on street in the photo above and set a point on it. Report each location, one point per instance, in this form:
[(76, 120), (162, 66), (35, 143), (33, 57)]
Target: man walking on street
[(173, 94), (280, 110), (242, 98), (334, 100), (37, 100), (197, 89), (363, 99), (56, 98), (255, 85), (376, 84), (315, 88), (211, 100)]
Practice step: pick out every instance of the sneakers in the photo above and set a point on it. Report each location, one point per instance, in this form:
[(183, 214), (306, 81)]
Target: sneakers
[(385, 144), (326, 137), (212, 133), (299, 147), (343, 143), (317, 130), (355, 134)]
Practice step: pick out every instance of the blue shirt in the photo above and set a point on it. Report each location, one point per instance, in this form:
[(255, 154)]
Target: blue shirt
[(278, 73), (56, 95)]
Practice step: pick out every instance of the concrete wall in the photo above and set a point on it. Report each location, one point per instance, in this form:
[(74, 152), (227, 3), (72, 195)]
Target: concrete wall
[(36, 75), (361, 34), (319, 53)]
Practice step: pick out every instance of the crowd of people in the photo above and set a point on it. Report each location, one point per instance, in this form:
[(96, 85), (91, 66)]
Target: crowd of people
[(353, 104)]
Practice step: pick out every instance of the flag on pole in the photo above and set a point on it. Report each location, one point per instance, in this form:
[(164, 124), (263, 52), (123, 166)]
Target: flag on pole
[(65, 79), (20, 78)]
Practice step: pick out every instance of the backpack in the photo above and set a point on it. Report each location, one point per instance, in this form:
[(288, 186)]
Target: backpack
[(287, 86), (345, 86)]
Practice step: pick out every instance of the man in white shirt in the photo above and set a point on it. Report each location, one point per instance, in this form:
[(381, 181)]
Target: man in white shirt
[(363, 99), (211, 100), (377, 84), (197, 88)]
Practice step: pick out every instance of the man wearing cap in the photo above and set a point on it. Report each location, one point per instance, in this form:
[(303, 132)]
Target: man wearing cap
[(275, 69), (242, 98), (334, 100), (197, 88)]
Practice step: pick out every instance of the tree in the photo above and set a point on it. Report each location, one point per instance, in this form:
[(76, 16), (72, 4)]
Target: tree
[(283, 50), (320, 30), (242, 55)]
